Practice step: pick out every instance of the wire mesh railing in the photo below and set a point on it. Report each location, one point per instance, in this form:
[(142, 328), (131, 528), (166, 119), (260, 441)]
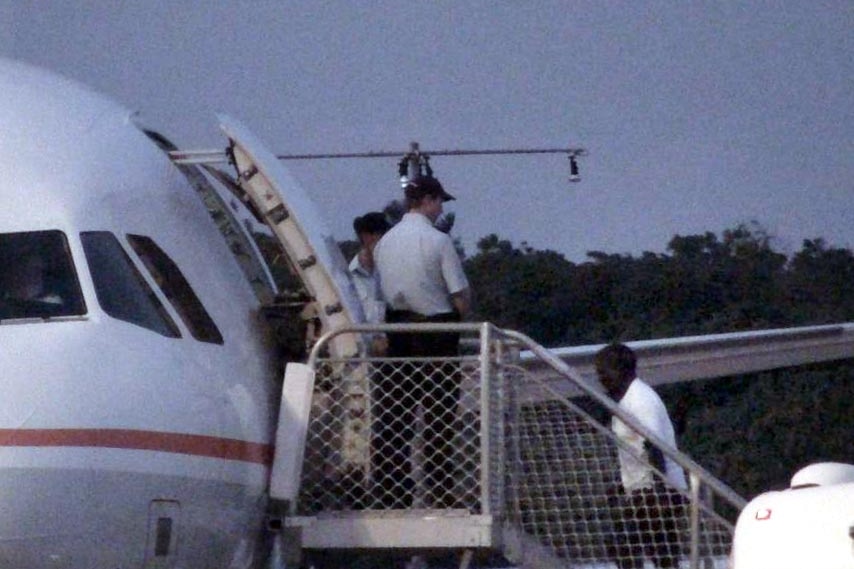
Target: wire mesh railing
[(478, 435), (393, 435), (400, 434), (565, 485)]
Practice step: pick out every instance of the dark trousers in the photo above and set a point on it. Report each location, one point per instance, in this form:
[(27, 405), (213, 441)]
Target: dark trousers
[(399, 389), (648, 524)]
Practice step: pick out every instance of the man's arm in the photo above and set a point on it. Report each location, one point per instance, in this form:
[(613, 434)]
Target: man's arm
[(455, 277), (462, 302), (656, 457)]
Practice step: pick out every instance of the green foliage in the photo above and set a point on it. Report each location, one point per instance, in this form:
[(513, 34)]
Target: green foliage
[(756, 431), (821, 283), (752, 431), (521, 288), (703, 284)]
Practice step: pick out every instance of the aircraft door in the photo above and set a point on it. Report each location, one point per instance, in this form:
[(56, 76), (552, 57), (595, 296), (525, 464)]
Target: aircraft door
[(161, 547)]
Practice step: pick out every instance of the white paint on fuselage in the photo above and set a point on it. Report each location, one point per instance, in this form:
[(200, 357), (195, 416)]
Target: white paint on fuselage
[(74, 161)]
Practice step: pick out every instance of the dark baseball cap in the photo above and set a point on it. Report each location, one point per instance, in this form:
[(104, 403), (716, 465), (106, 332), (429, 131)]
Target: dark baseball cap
[(426, 186)]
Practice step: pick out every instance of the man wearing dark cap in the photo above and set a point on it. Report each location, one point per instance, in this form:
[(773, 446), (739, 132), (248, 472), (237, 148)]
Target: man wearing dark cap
[(422, 280)]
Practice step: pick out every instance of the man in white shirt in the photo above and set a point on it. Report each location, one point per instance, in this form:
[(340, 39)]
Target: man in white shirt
[(650, 509), (369, 228), (420, 270), (422, 280)]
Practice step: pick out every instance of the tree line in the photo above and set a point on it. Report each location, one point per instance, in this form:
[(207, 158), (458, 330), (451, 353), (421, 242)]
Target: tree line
[(752, 431), (703, 284)]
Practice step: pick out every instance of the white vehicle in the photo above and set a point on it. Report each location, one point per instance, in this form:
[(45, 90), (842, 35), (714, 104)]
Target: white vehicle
[(810, 524)]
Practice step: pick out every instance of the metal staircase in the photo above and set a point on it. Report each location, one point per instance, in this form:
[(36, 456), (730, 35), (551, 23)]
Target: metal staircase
[(535, 464), (534, 469)]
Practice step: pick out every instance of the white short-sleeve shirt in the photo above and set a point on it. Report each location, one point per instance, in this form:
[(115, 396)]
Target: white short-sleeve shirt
[(418, 267), (368, 289), (647, 407)]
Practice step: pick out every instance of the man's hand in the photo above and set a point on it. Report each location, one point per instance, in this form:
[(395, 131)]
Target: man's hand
[(379, 346)]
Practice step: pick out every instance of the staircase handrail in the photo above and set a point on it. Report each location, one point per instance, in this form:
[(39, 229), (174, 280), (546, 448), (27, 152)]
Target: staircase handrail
[(486, 329)]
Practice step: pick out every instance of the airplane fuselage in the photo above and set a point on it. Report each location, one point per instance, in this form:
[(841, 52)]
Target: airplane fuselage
[(134, 431)]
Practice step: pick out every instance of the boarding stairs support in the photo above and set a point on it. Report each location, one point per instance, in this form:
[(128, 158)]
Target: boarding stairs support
[(532, 469)]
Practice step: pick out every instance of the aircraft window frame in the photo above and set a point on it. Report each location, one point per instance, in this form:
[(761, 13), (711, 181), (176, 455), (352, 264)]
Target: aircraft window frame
[(122, 291), (38, 278), (176, 289)]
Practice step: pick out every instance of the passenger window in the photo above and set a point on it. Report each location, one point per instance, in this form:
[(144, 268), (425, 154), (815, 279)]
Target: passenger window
[(176, 288), (121, 290), (37, 276)]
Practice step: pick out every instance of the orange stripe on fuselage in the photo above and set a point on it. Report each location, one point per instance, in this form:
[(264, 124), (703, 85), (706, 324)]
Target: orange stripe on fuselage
[(196, 445)]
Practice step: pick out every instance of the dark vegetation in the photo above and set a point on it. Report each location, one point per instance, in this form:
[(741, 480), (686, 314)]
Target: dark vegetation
[(753, 431)]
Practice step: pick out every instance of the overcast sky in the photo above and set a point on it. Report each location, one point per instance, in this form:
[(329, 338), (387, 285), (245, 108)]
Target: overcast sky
[(697, 116)]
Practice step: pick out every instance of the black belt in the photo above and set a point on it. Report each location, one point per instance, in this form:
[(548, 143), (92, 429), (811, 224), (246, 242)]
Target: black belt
[(397, 316)]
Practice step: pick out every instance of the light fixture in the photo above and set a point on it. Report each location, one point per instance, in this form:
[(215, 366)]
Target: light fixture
[(403, 171), (573, 169), (425, 161)]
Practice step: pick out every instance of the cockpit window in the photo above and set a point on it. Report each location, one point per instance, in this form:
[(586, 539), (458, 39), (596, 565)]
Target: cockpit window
[(121, 290), (175, 287), (37, 277)]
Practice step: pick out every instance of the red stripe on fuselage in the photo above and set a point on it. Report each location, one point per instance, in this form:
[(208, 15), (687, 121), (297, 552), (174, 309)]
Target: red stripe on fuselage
[(196, 445)]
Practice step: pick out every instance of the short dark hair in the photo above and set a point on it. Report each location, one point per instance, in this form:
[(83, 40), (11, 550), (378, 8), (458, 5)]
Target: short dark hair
[(618, 359), (372, 222)]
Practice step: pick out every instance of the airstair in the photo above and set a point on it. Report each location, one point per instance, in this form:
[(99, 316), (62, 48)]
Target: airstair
[(533, 466), (534, 470)]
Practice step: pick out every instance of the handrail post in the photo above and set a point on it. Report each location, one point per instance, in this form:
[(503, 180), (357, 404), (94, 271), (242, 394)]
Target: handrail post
[(695, 520), (485, 439), (611, 406)]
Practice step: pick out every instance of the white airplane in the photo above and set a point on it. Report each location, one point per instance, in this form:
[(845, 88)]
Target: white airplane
[(139, 381), (142, 394)]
